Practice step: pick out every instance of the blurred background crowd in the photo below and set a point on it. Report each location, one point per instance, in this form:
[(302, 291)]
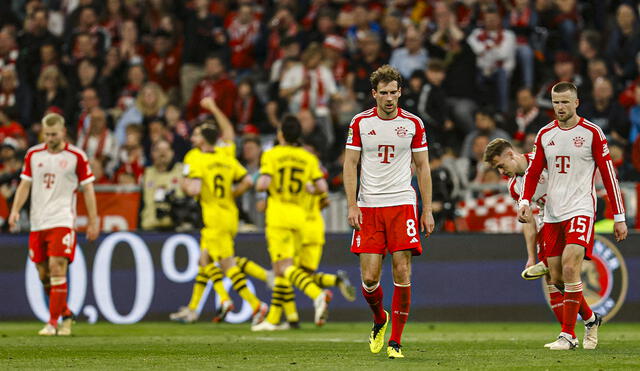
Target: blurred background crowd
[(128, 76)]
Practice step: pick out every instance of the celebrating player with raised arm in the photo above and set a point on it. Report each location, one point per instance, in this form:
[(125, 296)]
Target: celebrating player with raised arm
[(571, 149), (52, 173), (385, 139)]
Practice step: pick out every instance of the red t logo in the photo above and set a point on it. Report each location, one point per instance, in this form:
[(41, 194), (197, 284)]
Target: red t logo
[(562, 163), (386, 152), (49, 178)]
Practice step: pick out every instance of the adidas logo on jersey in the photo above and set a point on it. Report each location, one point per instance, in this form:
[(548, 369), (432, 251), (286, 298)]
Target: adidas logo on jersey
[(551, 144), (414, 240), (582, 238), (372, 132)]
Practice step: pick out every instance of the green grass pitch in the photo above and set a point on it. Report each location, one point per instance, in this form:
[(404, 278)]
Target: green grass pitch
[(337, 346)]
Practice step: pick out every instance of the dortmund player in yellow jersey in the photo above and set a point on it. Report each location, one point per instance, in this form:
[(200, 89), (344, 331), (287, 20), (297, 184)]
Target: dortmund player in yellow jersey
[(285, 172), (207, 270), (212, 179)]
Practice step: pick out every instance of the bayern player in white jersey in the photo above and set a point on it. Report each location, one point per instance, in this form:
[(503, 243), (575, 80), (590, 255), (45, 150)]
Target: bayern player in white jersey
[(571, 149), (52, 172), (385, 140)]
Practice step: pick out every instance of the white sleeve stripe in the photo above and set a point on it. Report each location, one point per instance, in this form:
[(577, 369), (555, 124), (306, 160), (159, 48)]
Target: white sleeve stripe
[(88, 180), (25, 177), (419, 149), (354, 148), (614, 182)]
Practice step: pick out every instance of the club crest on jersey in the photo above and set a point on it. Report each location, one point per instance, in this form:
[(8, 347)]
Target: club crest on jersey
[(578, 142), (63, 163), (350, 136), (605, 278), (402, 131)]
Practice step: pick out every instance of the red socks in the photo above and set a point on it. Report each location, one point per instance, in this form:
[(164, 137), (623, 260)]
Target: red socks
[(373, 296), (57, 299), (556, 299), (572, 302), (399, 310)]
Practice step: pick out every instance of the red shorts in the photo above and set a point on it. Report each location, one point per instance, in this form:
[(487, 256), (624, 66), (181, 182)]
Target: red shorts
[(540, 242), (392, 228), (577, 230), (59, 242)]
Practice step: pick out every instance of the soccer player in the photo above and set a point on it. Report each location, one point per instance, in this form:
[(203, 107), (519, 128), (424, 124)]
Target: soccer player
[(571, 149), (501, 155), (217, 179), (208, 270), (52, 173), (285, 173), (386, 139)]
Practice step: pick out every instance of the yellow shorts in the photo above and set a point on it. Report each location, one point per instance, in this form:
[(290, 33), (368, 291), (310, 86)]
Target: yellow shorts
[(313, 231), (283, 243), (309, 257), (218, 242)]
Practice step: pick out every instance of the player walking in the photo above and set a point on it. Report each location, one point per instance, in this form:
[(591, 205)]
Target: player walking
[(386, 139), (571, 148), (52, 173)]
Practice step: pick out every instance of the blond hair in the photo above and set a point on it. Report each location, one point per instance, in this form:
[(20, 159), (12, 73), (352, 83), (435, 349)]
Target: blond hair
[(161, 100), (53, 119), (48, 71), (385, 74), (495, 148)]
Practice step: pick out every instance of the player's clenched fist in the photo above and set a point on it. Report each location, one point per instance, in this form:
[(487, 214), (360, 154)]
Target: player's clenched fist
[(427, 224), (524, 213), (354, 217)]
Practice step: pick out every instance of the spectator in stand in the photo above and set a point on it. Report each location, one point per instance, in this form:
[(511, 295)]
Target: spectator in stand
[(634, 118), (325, 27), (51, 91), (432, 107), (98, 169), (112, 77), (84, 47), (79, 115), (252, 203), (48, 57), (564, 70), (203, 34), (129, 47), (368, 59), (215, 84), (15, 98), (624, 42), (98, 141), (8, 48), (290, 52), (627, 97), (411, 93), (361, 24), (312, 133), (413, 56), (443, 202), (248, 113), (175, 123), (394, 30), (88, 28), (495, 50), (527, 117), (131, 157), (596, 68), (160, 179), (310, 86), (522, 20), (150, 103), (12, 132), (136, 78), (604, 111), (282, 25), (589, 48), (485, 126), (33, 37), (447, 43), (163, 63), (334, 48), (113, 15), (243, 30)]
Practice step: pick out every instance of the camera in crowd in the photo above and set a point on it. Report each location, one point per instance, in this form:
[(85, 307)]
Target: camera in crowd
[(185, 212)]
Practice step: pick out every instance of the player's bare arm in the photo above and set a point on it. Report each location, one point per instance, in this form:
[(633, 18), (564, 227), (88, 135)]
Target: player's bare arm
[(242, 186), (21, 196), (349, 177), (524, 212), (192, 186), (263, 182), (227, 134), (530, 231), (423, 172), (93, 228)]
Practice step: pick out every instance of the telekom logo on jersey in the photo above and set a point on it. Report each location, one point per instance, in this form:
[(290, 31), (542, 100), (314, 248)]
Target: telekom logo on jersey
[(562, 163), (49, 179), (386, 152)]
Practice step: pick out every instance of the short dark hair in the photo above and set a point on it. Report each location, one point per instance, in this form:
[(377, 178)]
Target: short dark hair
[(563, 86), (385, 74), (436, 65), (495, 148), (210, 132), (291, 129)]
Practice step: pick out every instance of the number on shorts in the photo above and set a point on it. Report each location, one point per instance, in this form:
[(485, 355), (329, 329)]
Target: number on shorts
[(582, 225), (66, 240), (411, 227)]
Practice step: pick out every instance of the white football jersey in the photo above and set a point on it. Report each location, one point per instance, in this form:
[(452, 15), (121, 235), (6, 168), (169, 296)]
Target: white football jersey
[(386, 145), (55, 177), (572, 157)]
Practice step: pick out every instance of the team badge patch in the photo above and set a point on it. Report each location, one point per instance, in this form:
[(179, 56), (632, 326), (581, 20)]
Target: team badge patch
[(350, 136), (578, 141), (402, 131)]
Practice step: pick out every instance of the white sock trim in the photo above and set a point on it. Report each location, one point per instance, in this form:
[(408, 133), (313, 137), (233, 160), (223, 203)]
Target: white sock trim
[(552, 289), (402, 285), (573, 287), (591, 319), (55, 281), (370, 289)]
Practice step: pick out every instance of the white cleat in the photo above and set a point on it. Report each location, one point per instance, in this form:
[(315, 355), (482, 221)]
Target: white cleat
[(65, 327), (535, 271), (564, 342), (259, 315), (271, 279), (48, 330), (264, 326), (177, 316), (590, 340), (321, 304)]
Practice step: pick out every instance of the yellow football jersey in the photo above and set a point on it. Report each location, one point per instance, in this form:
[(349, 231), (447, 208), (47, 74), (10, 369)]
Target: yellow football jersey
[(290, 168), (227, 148), (218, 172)]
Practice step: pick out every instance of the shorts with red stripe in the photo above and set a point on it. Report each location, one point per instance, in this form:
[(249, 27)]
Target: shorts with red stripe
[(540, 242), (59, 242), (577, 231), (390, 228)]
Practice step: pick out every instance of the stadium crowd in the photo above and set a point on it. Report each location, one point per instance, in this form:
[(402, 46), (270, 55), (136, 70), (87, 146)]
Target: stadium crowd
[(129, 75)]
